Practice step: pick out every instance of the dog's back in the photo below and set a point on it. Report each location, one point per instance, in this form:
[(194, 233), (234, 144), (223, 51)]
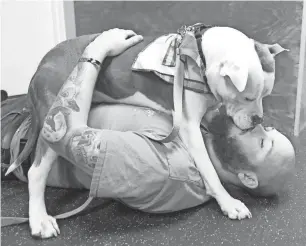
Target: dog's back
[(116, 81)]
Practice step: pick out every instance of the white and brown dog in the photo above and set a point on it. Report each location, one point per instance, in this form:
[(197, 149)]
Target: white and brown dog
[(239, 73)]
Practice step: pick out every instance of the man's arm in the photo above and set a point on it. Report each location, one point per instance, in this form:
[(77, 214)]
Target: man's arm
[(65, 127)]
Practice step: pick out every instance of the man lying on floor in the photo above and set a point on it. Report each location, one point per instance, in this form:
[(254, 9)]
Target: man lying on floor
[(113, 150), (159, 178)]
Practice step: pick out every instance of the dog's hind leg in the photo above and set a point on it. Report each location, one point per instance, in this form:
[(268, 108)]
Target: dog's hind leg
[(42, 225)]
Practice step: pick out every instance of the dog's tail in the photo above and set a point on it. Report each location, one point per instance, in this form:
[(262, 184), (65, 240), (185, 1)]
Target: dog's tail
[(17, 125)]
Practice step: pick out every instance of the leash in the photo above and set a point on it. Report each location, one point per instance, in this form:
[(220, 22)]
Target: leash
[(7, 221)]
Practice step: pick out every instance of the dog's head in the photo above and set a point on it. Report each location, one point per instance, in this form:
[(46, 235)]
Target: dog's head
[(242, 73)]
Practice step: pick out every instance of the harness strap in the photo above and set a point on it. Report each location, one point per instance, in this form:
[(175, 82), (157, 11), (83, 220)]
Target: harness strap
[(199, 30)]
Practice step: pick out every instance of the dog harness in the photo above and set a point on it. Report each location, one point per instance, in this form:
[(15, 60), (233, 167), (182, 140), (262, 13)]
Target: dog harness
[(182, 65)]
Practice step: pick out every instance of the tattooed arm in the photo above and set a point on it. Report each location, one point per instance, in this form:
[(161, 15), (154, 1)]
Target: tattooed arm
[(65, 128)]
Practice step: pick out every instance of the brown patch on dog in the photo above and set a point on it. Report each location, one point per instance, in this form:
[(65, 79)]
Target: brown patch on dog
[(266, 59)]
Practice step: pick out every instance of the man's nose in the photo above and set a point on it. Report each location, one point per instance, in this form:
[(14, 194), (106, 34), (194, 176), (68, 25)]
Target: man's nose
[(256, 120)]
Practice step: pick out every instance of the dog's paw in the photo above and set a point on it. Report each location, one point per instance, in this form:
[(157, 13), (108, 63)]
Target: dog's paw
[(234, 209), (44, 227)]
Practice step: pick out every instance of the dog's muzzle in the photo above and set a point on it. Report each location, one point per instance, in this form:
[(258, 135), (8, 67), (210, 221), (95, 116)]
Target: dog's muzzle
[(256, 120)]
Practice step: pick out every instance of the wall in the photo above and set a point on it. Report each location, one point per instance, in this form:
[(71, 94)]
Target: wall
[(28, 31), (268, 22), (302, 123)]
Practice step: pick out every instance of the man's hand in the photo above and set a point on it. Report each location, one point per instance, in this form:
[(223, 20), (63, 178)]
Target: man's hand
[(112, 43)]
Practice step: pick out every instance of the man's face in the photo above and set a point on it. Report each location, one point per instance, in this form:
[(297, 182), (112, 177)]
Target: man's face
[(256, 144), (261, 144)]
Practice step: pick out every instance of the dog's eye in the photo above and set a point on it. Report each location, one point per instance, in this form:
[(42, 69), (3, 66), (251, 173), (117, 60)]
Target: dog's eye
[(249, 99)]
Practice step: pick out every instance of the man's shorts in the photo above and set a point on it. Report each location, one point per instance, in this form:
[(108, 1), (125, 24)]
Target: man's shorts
[(147, 175)]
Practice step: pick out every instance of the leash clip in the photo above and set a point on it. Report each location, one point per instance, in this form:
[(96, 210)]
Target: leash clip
[(183, 29)]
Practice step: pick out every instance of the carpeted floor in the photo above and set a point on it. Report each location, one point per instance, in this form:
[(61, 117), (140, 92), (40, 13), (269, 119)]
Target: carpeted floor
[(278, 221)]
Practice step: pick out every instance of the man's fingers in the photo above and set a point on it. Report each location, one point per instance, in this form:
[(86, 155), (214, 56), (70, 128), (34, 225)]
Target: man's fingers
[(134, 40), (130, 33)]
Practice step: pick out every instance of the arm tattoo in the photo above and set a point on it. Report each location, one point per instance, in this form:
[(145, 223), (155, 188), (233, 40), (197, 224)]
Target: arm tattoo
[(85, 146), (55, 126)]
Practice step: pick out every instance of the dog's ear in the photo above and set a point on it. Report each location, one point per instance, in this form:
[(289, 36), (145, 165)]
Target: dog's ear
[(266, 54), (189, 48), (237, 72), (275, 49)]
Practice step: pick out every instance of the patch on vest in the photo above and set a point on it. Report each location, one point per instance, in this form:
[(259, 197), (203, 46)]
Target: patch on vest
[(160, 57)]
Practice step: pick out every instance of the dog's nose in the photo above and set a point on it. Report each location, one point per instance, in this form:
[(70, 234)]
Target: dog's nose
[(256, 120)]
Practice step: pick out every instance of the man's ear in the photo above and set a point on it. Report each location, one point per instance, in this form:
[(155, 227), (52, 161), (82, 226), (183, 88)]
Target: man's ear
[(248, 179), (237, 72), (275, 49)]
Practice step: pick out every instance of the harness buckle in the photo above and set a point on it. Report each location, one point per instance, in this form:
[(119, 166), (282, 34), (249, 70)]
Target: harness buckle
[(182, 30)]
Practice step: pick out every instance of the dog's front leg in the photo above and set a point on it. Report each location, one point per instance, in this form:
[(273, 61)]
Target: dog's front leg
[(195, 106), (42, 225)]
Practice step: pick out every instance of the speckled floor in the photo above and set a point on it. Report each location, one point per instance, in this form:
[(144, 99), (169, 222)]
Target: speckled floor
[(279, 221)]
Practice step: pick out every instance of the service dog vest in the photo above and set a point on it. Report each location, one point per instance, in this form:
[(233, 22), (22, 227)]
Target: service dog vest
[(160, 57)]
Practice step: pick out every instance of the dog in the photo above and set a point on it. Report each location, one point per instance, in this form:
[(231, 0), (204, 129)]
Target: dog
[(239, 73)]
